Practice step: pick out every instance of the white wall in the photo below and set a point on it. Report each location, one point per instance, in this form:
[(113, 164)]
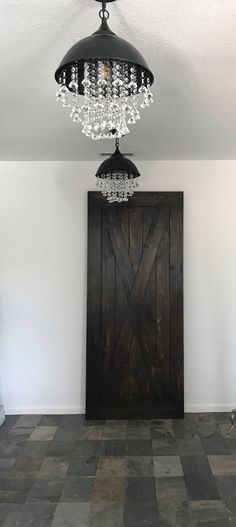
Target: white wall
[(43, 225)]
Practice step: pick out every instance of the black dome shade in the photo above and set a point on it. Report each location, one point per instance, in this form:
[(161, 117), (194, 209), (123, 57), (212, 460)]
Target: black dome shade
[(103, 45), (118, 163)]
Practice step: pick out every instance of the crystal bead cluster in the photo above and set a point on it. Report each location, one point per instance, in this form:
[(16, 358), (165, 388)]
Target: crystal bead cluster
[(117, 187), (113, 96)]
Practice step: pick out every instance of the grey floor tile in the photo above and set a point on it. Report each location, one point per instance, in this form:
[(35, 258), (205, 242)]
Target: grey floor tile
[(78, 489), (201, 487), (66, 434), (76, 421), (115, 431), (140, 466), (204, 418), (140, 489), (159, 432), (215, 523), (15, 490), (71, 515), (6, 466), (196, 465), (27, 421), (94, 422), (140, 514), (35, 449), (139, 447), (171, 490), (207, 430), (165, 446), (200, 482), (215, 444), (43, 433), (83, 466), (51, 420), (49, 490), (167, 466), (227, 488), (10, 448), (185, 428), (106, 515), (138, 430), (190, 446), (60, 449), (115, 447), (10, 513), (54, 467), (173, 502), (20, 434), (176, 515), (36, 515), (232, 445), (92, 433), (209, 510), (89, 448), (26, 468)]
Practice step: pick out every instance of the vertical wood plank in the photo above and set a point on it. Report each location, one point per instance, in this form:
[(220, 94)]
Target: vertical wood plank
[(135, 352), (121, 300), (149, 307), (162, 310), (108, 311), (176, 305), (94, 287)]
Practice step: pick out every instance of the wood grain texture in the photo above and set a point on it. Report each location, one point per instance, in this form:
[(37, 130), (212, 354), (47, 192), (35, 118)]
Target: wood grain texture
[(135, 322)]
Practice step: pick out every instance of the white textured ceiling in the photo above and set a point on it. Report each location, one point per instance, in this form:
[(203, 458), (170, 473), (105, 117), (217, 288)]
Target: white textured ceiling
[(189, 44)]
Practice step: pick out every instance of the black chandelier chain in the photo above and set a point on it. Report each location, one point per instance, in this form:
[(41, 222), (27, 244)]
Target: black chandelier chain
[(104, 13)]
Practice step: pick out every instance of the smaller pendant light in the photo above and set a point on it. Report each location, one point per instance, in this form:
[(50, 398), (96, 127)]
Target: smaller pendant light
[(117, 177)]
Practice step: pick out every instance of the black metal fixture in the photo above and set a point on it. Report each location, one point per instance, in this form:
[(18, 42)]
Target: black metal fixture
[(117, 177), (113, 77)]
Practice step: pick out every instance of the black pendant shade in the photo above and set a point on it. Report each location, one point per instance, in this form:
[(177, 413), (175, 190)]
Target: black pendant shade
[(102, 45), (118, 164)]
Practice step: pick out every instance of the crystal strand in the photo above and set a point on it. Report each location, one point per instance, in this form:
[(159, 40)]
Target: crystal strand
[(65, 103), (149, 95), (87, 103), (143, 90), (76, 111), (133, 92), (73, 84)]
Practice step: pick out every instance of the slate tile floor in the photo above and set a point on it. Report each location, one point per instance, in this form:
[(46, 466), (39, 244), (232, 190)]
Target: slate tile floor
[(60, 471)]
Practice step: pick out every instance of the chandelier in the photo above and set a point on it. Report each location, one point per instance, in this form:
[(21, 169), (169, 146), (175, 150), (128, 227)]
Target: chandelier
[(117, 177), (112, 76)]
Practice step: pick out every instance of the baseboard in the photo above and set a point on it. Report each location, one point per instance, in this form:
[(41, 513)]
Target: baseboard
[(44, 410), (196, 408), (67, 410)]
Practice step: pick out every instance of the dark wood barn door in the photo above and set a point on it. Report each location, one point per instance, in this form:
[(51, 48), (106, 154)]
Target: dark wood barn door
[(135, 307)]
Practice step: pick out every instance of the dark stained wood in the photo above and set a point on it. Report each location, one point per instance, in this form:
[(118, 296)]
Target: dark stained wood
[(176, 303), (135, 322)]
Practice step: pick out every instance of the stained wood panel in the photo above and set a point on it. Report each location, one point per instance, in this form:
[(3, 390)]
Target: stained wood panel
[(135, 307)]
